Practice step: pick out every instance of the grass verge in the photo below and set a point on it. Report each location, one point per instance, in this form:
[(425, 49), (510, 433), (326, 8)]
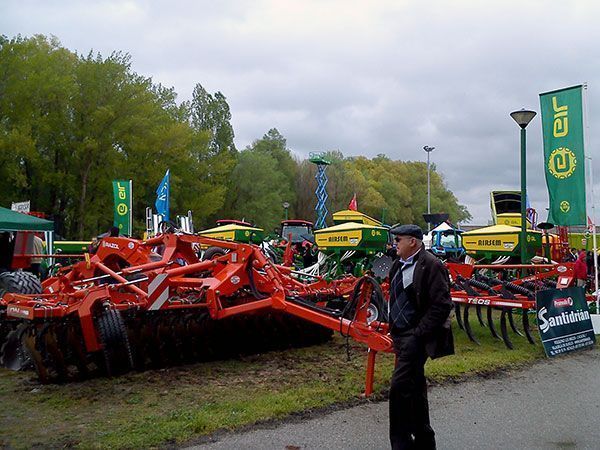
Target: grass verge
[(171, 406)]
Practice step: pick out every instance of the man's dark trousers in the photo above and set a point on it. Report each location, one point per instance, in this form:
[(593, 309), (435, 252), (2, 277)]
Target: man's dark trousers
[(409, 410)]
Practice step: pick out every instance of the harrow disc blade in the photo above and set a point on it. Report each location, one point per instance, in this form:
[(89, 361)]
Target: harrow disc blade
[(381, 266), (458, 316), (467, 324), (479, 316), (504, 329), (12, 354), (511, 321), (490, 321), (526, 328)]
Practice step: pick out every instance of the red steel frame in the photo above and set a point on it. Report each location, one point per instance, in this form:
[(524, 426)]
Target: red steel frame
[(178, 279), (241, 281)]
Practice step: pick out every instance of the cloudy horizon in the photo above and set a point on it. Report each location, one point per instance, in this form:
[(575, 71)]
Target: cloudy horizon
[(363, 78)]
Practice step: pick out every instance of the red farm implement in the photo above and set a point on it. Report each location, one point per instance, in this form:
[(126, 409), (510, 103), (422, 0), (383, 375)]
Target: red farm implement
[(137, 304), (501, 291), (144, 304)]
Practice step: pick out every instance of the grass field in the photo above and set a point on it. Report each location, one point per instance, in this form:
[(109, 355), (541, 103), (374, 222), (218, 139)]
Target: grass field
[(175, 405)]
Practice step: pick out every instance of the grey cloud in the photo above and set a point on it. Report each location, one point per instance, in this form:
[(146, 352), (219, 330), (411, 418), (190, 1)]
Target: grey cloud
[(364, 78)]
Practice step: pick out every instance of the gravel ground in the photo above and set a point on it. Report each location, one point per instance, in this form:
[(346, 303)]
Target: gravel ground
[(554, 403)]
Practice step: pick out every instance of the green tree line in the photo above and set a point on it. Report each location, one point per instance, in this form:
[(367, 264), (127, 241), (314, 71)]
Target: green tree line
[(71, 123)]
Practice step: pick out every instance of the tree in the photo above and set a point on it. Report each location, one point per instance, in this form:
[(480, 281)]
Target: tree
[(70, 124), (257, 195)]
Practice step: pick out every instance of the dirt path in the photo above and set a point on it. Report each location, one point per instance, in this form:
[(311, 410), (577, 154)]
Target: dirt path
[(552, 404)]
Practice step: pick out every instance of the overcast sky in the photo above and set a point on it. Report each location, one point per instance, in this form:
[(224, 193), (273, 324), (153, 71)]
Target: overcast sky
[(362, 77)]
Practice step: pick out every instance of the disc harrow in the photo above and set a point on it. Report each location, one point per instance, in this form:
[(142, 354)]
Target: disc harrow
[(497, 289), (149, 304)]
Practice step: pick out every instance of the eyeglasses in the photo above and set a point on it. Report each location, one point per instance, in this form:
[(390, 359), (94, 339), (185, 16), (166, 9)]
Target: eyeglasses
[(399, 238)]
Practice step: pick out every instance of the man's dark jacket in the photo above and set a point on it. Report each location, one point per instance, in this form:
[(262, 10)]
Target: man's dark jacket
[(433, 303)]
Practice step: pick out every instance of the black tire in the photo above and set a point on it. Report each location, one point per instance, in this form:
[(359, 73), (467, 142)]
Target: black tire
[(213, 252), (20, 282), (118, 358), (13, 355)]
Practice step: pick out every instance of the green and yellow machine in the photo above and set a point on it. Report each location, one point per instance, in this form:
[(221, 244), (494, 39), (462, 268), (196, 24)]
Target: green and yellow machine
[(72, 247), (506, 208), (235, 230), (352, 242), (499, 240)]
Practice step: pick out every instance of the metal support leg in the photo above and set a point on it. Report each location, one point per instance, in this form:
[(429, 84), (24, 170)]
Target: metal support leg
[(370, 372)]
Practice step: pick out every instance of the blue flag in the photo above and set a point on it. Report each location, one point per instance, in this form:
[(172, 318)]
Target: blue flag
[(162, 197)]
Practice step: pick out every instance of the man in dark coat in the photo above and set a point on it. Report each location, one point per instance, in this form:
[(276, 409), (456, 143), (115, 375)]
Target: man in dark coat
[(419, 312)]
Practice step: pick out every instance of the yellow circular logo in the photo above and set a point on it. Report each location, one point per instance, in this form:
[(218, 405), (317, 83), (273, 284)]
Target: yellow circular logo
[(562, 163), (122, 209), (247, 233), (565, 206)]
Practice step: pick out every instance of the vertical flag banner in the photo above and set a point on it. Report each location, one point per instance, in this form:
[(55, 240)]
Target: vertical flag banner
[(564, 159), (123, 198), (162, 196)]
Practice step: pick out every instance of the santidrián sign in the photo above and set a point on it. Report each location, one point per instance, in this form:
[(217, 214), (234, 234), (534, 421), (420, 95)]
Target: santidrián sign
[(564, 320)]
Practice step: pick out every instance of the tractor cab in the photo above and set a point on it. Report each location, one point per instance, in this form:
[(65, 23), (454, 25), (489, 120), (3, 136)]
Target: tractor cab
[(297, 230), (445, 241)]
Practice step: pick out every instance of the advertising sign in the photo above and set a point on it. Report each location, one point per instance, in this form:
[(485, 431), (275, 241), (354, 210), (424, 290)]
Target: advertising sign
[(564, 161), (22, 207), (122, 191), (564, 320)]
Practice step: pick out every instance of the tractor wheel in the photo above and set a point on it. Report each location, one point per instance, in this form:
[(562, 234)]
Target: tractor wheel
[(118, 358), (213, 252), (20, 282)]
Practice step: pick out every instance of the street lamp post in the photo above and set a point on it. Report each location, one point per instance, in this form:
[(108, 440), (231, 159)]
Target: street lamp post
[(523, 117), (428, 150), (286, 205)]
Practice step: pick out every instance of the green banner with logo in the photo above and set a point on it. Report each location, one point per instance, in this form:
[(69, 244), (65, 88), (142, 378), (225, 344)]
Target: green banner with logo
[(564, 320), (564, 160), (123, 198)]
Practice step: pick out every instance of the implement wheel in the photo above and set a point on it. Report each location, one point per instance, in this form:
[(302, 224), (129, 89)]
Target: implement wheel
[(116, 350), (20, 283), (213, 252)]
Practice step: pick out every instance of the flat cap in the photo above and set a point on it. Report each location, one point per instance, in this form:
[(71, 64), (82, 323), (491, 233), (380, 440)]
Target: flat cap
[(407, 230)]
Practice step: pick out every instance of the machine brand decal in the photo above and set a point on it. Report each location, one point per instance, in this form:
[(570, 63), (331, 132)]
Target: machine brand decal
[(560, 302), (546, 323), (235, 279), (15, 311), (337, 239), (479, 301), (131, 245), (561, 269), (110, 245), (562, 163), (565, 206), (489, 242)]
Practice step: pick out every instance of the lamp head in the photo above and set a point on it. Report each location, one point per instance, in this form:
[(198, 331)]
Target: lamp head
[(523, 117)]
